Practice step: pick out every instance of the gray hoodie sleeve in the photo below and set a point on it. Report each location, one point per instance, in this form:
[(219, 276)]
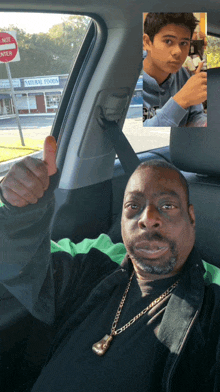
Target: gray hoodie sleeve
[(170, 115), (166, 111), (25, 258)]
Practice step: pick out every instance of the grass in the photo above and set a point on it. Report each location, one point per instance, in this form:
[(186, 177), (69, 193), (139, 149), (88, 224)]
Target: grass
[(12, 150)]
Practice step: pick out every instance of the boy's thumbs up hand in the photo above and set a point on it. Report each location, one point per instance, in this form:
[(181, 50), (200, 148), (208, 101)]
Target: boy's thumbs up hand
[(28, 179), (199, 67), (194, 91)]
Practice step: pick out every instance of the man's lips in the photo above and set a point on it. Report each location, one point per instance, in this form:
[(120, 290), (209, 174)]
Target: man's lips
[(151, 250), (151, 254)]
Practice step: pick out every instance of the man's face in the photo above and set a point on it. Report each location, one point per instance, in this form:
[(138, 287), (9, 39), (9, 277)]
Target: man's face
[(168, 50), (158, 227)]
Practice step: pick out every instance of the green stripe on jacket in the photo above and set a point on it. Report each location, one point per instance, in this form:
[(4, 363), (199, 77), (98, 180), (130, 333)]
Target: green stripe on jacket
[(116, 252)]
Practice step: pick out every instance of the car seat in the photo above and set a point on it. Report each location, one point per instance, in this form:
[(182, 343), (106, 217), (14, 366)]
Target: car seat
[(196, 152)]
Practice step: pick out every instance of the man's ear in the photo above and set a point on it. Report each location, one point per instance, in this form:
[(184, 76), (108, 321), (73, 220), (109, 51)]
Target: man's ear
[(146, 42), (192, 215)]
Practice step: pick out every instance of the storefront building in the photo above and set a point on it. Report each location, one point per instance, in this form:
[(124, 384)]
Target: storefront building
[(33, 95)]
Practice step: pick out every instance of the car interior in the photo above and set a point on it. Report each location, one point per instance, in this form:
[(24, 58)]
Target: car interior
[(94, 157), (89, 124)]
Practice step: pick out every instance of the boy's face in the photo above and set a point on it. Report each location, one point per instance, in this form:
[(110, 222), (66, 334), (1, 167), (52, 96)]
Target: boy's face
[(168, 51)]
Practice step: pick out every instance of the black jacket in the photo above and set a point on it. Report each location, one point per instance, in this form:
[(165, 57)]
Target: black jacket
[(37, 291)]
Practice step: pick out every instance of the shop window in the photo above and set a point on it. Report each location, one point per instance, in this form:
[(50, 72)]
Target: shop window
[(52, 101)]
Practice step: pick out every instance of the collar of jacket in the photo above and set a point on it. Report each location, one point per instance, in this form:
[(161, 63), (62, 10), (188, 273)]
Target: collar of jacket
[(184, 305), (152, 84)]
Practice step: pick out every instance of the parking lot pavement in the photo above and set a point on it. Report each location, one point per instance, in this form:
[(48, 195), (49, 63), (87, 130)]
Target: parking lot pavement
[(33, 127), (145, 138), (13, 134)]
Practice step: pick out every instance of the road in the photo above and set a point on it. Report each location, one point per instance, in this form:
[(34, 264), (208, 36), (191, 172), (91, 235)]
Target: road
[(27, 122)]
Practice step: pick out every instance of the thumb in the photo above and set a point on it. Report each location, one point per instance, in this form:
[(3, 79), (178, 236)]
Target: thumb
[(49, 154), (199, 67)]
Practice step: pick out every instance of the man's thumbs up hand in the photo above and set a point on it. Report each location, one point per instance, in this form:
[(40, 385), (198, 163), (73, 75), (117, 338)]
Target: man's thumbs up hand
[(49, 155), (28, 179)]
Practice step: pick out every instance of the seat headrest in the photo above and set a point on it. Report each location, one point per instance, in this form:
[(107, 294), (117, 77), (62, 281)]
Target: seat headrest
[(197, 150)]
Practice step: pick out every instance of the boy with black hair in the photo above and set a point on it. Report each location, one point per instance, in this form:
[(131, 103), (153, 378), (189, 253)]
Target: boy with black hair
[(171, 97)]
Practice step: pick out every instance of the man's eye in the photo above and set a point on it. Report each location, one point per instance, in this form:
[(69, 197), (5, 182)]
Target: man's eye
[(168, 41), (133, 206), (168, 207)]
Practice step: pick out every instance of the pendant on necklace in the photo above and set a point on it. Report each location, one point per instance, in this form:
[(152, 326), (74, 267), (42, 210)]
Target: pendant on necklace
[(102, 345)]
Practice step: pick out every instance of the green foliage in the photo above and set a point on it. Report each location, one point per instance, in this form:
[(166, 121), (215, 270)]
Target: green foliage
[(49, 53), (213, 52)]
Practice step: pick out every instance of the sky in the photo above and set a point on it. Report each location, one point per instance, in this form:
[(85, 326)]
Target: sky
[(30, 22)]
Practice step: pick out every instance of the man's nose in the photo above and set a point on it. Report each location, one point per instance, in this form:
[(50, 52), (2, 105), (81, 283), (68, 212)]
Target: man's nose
[(150, 217)]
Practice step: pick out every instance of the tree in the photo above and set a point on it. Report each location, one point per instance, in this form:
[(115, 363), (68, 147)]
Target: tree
[(213, 52), (49, 53)]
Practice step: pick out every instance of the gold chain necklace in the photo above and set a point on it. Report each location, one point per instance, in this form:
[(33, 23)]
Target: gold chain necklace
[(102, 345)]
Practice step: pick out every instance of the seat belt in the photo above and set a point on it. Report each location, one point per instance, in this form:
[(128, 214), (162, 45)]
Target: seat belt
[(129, 162), (123, 149)]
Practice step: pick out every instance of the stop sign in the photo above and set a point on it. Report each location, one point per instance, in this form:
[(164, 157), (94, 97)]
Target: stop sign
[(8, 47)]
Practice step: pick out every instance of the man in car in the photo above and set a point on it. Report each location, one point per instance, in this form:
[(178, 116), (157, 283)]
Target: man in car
[(170, 96), (150, 323)]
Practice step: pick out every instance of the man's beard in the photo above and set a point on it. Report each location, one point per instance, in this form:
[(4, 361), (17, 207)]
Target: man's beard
[(148, 266), (156, 269)]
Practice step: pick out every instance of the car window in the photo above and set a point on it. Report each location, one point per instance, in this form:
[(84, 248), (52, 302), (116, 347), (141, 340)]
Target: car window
[(45, 55), (142, 138)]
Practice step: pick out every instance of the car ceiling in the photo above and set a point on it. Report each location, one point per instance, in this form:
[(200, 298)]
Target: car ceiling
[(118, 12)]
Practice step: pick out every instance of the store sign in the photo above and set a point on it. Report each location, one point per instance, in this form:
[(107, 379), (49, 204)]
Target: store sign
[(4, 83), (38, 82)]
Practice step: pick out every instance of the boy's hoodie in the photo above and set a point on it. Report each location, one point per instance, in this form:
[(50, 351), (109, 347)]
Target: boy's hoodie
[(162, 110)]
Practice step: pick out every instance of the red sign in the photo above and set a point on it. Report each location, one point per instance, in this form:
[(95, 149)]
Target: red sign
[(8, 47)]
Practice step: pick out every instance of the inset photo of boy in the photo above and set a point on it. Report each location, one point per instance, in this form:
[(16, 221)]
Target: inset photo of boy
[(174, 70)]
